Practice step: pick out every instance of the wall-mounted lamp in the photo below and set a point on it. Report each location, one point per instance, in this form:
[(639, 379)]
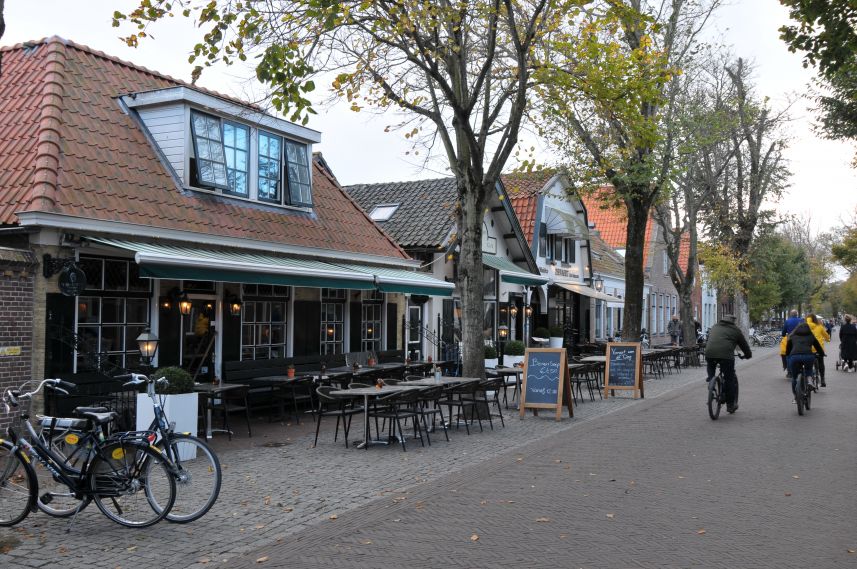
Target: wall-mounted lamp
[(598, 282), (513, 311), (184, 304), (528, 311), (234, 305)]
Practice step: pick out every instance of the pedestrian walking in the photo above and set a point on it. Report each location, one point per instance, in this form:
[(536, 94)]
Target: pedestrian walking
[(674, 330), (848, 343)]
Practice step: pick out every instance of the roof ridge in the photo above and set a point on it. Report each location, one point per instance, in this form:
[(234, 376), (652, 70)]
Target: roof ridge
[(46, 171), (98, 53), (406, 182)]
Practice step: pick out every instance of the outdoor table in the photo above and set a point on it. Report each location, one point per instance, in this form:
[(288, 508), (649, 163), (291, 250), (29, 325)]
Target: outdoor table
[(444, 380), (211, 391), (366, 393), (506, 371), (594, 359)]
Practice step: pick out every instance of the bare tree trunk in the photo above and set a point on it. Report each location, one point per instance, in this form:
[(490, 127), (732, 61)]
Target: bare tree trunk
[(470, 281), (638, 217), (742, 312)]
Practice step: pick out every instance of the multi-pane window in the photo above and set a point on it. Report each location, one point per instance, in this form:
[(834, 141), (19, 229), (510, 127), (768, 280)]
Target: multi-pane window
[(489, 283), (208, 149), (111, 314), (270, 148), (263, 322), (223, 160), (371, 327), (489, 319), (599, 309), (236, 145), (543, 240), (332, 321), (297, 171), (570, 253), (557, 248)]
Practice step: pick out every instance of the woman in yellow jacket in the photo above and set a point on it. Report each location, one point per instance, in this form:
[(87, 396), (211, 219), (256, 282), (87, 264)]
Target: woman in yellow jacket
[(820, 333)]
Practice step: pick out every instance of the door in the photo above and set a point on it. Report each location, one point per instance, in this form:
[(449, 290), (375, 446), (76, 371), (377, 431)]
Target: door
[(198, 338)]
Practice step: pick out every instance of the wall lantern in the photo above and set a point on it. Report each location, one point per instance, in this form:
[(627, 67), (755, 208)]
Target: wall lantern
[(184, 304), (148, 344), (234, 305), (598, 282), (513, 311), (528, 311)]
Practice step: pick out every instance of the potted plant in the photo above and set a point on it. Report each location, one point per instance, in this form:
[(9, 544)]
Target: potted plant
[(371, 361), (490, 356), (178, 399), (513, 353), (542, 334), (290, 370), (555, 336)]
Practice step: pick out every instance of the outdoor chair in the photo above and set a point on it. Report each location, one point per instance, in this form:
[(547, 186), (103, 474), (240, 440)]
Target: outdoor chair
[(297, 392), (398, 406), (463, 398), (335, 406), (231, 401), (494, 385), (428, 406)]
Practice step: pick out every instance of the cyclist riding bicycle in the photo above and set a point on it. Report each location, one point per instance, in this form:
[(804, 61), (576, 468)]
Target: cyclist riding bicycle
[(799, 349), (820, 333), (720, 350), (788, 327)]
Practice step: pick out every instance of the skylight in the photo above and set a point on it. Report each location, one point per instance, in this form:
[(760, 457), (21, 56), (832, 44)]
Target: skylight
[(383, 212)]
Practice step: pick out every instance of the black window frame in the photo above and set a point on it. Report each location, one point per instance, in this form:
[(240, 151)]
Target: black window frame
[(301, 167)]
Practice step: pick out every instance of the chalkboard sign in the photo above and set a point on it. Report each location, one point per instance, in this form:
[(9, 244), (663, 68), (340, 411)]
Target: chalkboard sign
[(624, 369), (546, 383)]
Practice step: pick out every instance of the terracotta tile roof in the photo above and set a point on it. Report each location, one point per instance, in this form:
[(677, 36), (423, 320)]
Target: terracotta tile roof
[(611, 221), (67, 147), (523, 190)]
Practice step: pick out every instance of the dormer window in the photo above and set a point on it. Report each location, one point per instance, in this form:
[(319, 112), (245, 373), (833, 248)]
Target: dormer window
[(223, 155)]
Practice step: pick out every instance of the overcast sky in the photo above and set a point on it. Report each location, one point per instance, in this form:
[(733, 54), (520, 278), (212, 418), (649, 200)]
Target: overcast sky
[(359, 150)]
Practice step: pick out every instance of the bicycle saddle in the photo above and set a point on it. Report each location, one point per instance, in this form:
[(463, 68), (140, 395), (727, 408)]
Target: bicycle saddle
[(100, 418), (81, 410)]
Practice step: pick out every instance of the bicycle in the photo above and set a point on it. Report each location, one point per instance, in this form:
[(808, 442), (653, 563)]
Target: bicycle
[(128, 480), (803, 389), (193, 462), (717, 393)]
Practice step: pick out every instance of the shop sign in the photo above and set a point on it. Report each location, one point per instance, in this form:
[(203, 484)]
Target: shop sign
[(10, 351), (72, 281)]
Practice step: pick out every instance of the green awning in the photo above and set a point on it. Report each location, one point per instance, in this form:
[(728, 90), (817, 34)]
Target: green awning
[(512, 273), (389, 279), (164, 261)]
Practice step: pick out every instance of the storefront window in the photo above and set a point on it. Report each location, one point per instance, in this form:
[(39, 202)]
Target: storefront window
[(109, 327), (264, 320), (332, 321)]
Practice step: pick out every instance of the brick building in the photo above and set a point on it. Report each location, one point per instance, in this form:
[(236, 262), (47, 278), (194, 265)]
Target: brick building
[(16, 318)]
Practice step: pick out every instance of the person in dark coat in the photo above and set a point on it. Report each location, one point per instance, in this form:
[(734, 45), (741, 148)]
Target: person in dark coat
[(799, 350), (723, 338), (848, 343)]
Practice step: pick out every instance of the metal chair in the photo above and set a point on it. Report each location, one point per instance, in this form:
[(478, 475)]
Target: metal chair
[(334, 406)]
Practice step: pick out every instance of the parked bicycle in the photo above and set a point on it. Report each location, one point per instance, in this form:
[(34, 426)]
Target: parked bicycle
[(193, 462), (717, 393), (129, 481)]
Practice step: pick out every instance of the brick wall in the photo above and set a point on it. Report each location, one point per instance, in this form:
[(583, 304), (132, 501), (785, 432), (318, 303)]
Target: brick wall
[(16, 319)]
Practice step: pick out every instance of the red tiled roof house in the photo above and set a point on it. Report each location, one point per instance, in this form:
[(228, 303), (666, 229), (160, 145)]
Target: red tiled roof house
[(159, 191)]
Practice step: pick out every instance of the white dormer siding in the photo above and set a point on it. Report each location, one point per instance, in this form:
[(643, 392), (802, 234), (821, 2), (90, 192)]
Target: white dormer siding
[(168, 128)]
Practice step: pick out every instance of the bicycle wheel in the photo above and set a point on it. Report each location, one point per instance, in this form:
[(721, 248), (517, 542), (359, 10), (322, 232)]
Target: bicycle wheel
[(714, 392), (18, 486), (799, 394), (54, 497), (131, 484), (198, 477), (807, 398)]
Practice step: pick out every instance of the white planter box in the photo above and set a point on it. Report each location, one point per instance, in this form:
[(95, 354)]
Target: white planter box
[(555, 342), (509, 361), (490, 363), (181, 409)]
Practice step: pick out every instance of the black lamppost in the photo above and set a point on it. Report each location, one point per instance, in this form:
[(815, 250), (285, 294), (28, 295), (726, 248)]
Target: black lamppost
[(148, 344), (503, 332)]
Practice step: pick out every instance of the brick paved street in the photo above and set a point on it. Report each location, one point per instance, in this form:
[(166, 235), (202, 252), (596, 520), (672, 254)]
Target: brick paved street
[(626, 483)]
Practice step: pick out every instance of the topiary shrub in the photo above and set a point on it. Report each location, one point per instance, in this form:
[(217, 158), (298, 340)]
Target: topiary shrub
[(556, 331), (541, 332), (514, 348), (180, 381), (490, 352)]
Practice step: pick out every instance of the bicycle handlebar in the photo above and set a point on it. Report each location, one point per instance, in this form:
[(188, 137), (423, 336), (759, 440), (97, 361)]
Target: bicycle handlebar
[(12, 397), (139, 379)]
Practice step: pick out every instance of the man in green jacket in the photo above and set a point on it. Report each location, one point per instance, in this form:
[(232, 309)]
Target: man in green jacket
[(720, 350)]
